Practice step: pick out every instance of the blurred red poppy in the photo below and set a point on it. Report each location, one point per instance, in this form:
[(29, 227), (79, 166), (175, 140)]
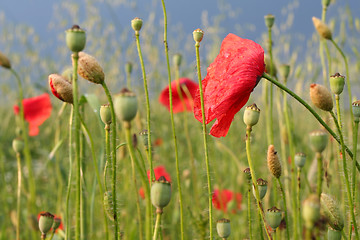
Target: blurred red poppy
[(227, 200), (188, 90), (230, 79), (158, 171), (36, 111)]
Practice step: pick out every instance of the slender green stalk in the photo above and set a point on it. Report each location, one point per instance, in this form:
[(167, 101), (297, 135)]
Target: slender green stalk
[(298, 197), (52, 234), (249, 210), (270, 89), (18, 204), (260, 228), (157, 224), (321, 50), (67, 209), (285, 211), (355, 138), (320, 173), (108, 153), (206, 152)]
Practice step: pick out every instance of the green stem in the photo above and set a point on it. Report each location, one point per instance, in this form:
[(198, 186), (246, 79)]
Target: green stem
[(355, 137), (249, 210), (157, 225), (320, 173), (206, 152), (18, 204), (108, 153), (298, 198), (321, 50), (270, 116), (67, 210), (285, 211)]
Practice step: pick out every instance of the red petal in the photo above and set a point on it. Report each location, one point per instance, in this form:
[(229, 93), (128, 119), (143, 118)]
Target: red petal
[(221, 199), (160, 171)]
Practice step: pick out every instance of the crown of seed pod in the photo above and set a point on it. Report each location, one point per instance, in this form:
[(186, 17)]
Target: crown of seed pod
[(108, 205), (46, 221), (273, 217), (160, 193), (56, 224), (300, 159), (337, 83), (61, 88), (223, 228), (75, 38), (4, 61), (332, 212), (318, 140), (321, 97), (262, 187), (284, 71), (136, 24), (105, 114), (18, 145), (333, 234), (251, 115), (125, 104), (323, 30), (177, 59), (144, 135), (356, 110), (247, 173), (273, 162), (269, 20), (198, 35), (325, 3), (90, 69), (311, 210), (128, 68)]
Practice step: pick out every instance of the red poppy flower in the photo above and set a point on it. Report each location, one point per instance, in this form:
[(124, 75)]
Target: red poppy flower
[(158, 171), (188, 90), (227, 200), (36, 111), (229, 81)]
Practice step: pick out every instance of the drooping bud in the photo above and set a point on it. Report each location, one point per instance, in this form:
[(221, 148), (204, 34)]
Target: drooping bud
[(90, 69), (198, 35), (273, 162), (177, 59), (262, 187), (337, 83), (160, 193), (46, 221), (105, 114), (332, 212), (61, 88), (251, 115), (321, 97), (125, 104), (223, 228), (128, 68), (323, 30), (333, 234), (269, 20), (18, 145), (273, 217), (136, 24), (356, 110), (318, 140), (4, 61), (311, 211), (300, 159), (75, 38), (284, 70)]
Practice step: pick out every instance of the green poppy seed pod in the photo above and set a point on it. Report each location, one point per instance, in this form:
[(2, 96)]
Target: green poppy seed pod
[(56, 224), (46, 221), (262, 187), (68, 74), (321, 97), (251, 115), (108, 205), (273, 217), (90, 69), (160, 193), (136, 24), (333, 234), (125, 104), (61, 88), (4, 61), (144, 135), (247, 173), (300, 159), (198, 35), (356, 110), (75, 38), (284, 70), (177, 59), (323, 30), (311, 210), (269, 20), (330, 208), (105, 114), (337, 83), (223, 228), (18, 145), (128, 68), (273, 162), (325, 3), (318, 140)]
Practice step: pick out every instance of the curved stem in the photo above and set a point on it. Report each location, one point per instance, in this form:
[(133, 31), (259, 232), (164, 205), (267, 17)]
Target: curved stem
[(67, 202), (197, 46), (18, 204), (285, 210)]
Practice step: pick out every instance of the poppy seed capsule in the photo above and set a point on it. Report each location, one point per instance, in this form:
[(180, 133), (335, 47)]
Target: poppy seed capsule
[(105, 114), (337, 83), (262, 187), (144, 135), (323, 30), (128, 68), (108, 205), (177, 59), (160, 193), (136, 24), (356, 110), (125, 104), (330, 208), (223, 228), (198, 35), (325, 3), (273, 162), (251, 115), (75, 39), (4, 61), (300, 159), (311, 211), (18, 145), (333, 234), (61, 88), (56, 224), (269, 20), (46, 221), (90, 69), (247, 173), (318, 140), (321, 97), (284, 70), (273, 217)]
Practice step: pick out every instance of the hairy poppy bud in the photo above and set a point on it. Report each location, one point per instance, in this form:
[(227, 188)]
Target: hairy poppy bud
[(198, 35), (128, 68), (311, 211), (177, 59), (136, 24), (18, 145), (337, 83), (125, 104), (160, 193), (108, 205), (269, 20), (333, 234), (4, 61), (273, 217), (46, 221), (318, 140), (323, 30), (284, 71), (356, 110), (90, 69), (300, 159), (332, 212), (251, 115), (105, 114), (321, 97), (75, 38), (223, 228), (262, 187), (273, 162), (61, 88)]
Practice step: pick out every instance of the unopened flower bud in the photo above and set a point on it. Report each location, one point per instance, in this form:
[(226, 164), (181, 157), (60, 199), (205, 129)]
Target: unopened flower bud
[(136, 24), (128, 68), (198, 35), (262, 187), (223, 228), (269, 20), (18, 145), (333, 234), (105, 114), (300, 159), (356, 110), (251, 115), (273, 217), (273, 162), (4, 61), (318, 140), (311, 211), (284, 71), (337, 83), (75, 39), (323, 30), (321, 97), (108, 205), (160, 193), (46, 221), (177, 59), (331, 209), (90, 69), (61, 88), (125, 104)]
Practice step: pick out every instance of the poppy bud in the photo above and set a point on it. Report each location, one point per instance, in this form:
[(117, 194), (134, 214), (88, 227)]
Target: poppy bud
[(128, 68), (108, 205), (300, 159), (90, 69), (333, 234), (332, 212), (46, 221), (136, 24), (311, 211), (273, 217), (323, 30), (269, 20), (284, 71), (321, 97), (61, 88), (4, 61), (318, 140), (356, 110), (337, 83), (251, 115), (125, 104), (247, 173), (56, 224), (75, 38), (273, 162), (198, 35), (325, 3), (160, 193), (144, 135), (18, 145), (223, 228), (105, 114), (262, 187), (177, 58)]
